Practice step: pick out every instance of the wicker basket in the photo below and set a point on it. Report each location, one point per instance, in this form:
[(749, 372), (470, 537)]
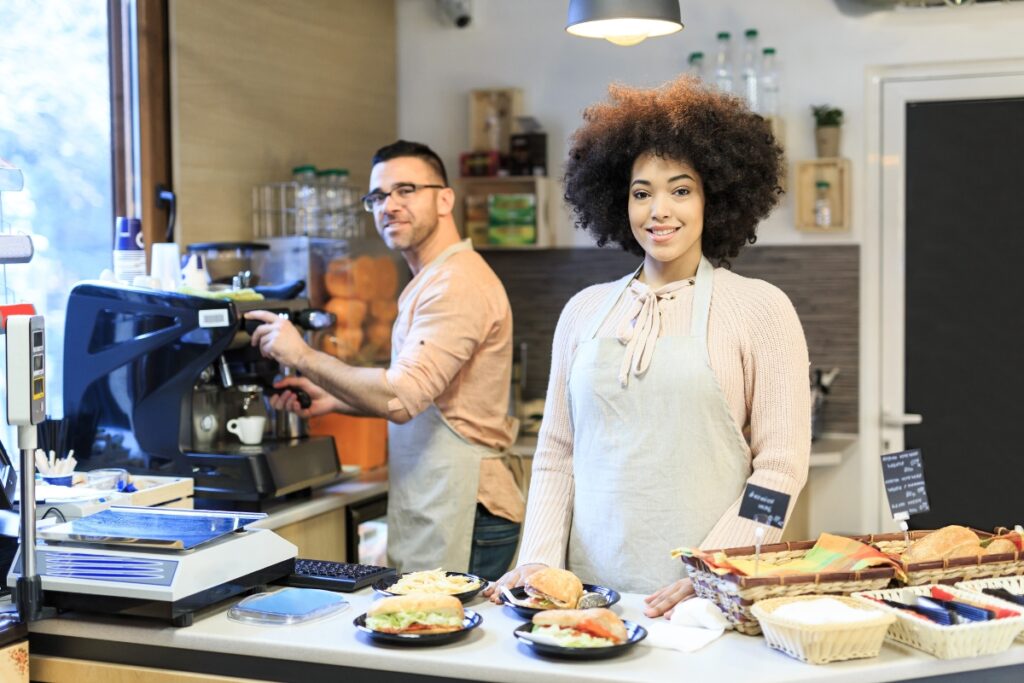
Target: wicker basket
[(735, 594), (823, 643), (946, 642), (948, 571), (1014, 584)]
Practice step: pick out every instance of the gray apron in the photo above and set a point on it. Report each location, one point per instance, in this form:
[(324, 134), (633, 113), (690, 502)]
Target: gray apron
[(655, 463), (433, 477)]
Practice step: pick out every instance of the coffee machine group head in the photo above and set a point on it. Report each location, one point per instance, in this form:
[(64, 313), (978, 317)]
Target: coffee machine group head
[(153, 380)]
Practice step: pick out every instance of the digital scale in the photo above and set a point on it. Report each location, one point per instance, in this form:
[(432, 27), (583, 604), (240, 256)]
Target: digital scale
[(156, 562)]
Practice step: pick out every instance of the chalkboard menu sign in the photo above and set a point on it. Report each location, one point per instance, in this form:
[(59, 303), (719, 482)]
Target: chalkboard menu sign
[(903, 473), (764, 505)]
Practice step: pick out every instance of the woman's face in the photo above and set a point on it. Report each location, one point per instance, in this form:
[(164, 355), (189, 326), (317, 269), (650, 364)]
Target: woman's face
[(666, 212)]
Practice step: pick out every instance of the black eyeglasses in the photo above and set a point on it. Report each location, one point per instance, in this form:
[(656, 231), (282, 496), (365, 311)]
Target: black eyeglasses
[(401, 193)]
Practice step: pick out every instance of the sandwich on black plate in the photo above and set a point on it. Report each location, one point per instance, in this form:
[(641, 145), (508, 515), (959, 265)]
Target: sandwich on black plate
[(596, 627), (416, 613), (552, 588)]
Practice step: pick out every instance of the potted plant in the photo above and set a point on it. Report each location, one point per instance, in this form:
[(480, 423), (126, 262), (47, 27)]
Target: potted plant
[(826, 132)]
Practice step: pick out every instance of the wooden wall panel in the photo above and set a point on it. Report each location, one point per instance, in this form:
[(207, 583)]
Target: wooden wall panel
[(260, 86), (822, 282)]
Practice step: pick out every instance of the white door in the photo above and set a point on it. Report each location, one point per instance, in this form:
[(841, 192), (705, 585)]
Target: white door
[(938, 245)]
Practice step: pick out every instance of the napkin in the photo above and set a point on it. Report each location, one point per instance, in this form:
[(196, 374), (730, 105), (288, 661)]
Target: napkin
[(694, 623)]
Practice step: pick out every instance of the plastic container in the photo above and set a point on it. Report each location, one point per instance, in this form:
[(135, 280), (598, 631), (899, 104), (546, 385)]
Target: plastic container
[(129, 250), (724, 79), (306, 200), (287, 606), (749, 69), (110, 479)]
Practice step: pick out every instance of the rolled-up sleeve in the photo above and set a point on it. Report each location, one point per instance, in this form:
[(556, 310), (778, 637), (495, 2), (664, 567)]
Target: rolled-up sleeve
[(449, 322)]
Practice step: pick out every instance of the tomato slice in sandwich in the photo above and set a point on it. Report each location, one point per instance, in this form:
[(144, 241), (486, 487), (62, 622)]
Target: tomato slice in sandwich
[(596, 630)]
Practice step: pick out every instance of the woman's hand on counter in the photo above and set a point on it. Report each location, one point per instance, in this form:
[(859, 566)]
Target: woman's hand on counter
[(511, 579), (665, 599)]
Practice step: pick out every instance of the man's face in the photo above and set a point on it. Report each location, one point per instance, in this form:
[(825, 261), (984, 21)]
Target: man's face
[(406, 219)]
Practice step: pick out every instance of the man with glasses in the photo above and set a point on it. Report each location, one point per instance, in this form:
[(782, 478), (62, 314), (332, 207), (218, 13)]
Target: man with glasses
[(452, 502)]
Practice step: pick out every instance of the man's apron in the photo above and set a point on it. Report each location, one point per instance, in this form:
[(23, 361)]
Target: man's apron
[(433, 477)]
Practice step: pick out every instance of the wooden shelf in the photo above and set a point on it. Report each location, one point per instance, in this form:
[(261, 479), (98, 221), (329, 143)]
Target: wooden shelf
[(478, 189), (836, 172)]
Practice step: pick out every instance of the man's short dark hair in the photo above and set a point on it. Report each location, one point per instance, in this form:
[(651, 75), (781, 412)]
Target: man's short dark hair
[(404, 148)]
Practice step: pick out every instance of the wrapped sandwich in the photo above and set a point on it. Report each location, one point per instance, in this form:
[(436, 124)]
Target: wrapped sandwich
[(552, 588), (597, 627), (418, 613)]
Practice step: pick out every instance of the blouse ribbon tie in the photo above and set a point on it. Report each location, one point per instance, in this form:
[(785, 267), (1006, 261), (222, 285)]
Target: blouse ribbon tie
[(642, 327)]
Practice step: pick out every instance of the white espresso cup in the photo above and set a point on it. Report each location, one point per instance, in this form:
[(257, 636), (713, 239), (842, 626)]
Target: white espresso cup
[(249, 430)]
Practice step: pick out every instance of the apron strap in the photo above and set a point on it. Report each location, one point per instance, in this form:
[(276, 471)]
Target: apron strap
[(702, 299), (619, 287)]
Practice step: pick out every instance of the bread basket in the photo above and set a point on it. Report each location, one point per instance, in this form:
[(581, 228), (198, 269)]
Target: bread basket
[(947, 642), (1014, 584), (823, 643), (735, 594), (950, 570)]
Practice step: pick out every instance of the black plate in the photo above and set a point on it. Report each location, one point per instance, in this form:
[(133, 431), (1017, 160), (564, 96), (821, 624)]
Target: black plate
[(636, 633), (470, 622), (527, 612), (382, 585)]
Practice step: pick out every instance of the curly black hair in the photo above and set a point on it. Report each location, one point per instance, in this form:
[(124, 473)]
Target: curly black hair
[(731, 147)]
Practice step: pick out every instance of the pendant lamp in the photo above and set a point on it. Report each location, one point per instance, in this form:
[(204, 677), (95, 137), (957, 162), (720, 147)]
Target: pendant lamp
[(623, 22)]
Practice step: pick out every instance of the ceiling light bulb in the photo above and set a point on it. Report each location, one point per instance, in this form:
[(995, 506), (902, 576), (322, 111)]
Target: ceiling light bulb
[(626, 41)]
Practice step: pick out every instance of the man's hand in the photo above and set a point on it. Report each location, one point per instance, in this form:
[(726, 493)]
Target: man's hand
[(665, 599), (278, 339), (322, 402), (511, 579)]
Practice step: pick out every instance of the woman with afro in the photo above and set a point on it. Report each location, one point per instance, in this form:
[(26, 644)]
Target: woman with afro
[(675, 386)]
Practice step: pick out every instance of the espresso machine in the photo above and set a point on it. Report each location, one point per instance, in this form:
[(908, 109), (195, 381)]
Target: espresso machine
[(152, 379)]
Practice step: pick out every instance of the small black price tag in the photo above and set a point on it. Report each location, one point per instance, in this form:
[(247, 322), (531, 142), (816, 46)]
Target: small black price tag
[(764, 505), (903, 474)]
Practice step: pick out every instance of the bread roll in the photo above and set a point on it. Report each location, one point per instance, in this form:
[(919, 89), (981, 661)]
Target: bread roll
[(338, 278), (560, 586), (384, 311), (1001, 546), (387, 277), (350, 313), (438, 603), (364, 274), (599, 621), (941, 544)]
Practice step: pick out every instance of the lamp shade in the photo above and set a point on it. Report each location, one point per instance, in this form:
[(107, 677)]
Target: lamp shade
[(623, 22)]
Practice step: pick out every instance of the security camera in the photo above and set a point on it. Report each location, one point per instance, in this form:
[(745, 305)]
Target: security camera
[(458, 12)]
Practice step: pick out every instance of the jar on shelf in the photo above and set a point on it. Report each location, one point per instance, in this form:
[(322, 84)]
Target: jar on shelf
[(822, 205)]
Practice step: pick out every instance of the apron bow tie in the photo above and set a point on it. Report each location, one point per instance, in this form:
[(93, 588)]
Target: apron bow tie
[(642, 327)]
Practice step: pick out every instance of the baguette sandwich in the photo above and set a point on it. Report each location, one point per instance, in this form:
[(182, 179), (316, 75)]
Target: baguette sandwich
[(418, 613), (597, 627), (552, 588)]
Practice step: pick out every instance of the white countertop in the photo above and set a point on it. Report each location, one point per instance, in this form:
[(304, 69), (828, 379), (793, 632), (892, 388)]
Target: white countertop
[(366, 485), (491, 652)]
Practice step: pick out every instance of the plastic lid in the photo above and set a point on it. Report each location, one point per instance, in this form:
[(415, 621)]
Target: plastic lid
[(306, 168), (723, 35), (287, 606), (333, 171), (768, 50), (751, 33), (821, 184), (694, 56)]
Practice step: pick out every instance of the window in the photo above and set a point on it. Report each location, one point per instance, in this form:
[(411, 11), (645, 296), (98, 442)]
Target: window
[(55, 125)]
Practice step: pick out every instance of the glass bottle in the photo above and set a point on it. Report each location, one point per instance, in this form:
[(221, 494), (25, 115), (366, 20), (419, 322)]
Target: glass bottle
[(749, 70), (696, 65), (305, 199), (769, 104), (723, 63), (822, 205)]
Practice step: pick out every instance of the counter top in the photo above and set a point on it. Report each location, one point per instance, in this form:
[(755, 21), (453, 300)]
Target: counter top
[(332, 648), (366, 485)]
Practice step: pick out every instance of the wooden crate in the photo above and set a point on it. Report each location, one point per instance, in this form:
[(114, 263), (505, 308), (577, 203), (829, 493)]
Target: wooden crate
[(837, 173)]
